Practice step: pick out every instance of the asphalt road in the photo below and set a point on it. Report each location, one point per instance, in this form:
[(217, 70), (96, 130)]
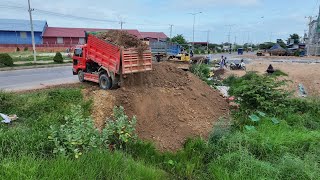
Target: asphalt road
[(36, 78)]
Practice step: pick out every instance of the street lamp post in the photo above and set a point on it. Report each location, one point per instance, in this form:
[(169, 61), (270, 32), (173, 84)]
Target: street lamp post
[(194, 21)]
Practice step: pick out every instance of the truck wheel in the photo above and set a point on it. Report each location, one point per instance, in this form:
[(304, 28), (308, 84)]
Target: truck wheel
[(81, 75), (105, 82)]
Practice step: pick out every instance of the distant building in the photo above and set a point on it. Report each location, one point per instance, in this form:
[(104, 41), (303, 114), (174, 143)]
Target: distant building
[(14, 31), (160, 36), (313, 39), (73, 36)]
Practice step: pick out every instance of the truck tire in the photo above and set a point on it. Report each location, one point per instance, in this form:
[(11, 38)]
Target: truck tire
[(105, 82), (81, 76)]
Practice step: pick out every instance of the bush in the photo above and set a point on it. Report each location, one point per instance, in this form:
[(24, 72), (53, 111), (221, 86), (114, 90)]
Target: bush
[(77, 135), (6, 60), (58, 58), (196, 51), (120, 130), (202, 51), (25, 49), (18, 49), (201, 70), (296, 53), (259, 92)]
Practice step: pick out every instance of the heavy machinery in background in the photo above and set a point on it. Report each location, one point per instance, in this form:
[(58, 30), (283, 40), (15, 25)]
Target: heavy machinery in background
[(168, 51), (104, 63)]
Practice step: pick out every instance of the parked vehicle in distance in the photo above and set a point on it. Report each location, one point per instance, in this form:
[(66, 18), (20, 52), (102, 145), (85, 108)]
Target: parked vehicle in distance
[(166, 50)]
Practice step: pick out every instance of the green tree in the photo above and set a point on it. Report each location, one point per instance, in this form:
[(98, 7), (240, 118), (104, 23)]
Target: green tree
[(179, 39), (295, 37), (266, 45), (281, 43)]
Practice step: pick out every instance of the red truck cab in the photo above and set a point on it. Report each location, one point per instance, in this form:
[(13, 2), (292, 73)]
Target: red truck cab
[(104, 63)]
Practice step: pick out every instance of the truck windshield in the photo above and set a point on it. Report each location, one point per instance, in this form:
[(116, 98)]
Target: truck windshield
[(78, 52)]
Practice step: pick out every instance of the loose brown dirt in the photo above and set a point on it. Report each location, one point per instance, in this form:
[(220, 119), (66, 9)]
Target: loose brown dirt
[(170, 104), (123, 39)]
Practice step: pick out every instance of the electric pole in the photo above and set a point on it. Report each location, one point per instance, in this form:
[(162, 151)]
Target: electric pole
[(194, 21), (32, 33), (208, 33), (235, 40), (121, 23), (171, 30)]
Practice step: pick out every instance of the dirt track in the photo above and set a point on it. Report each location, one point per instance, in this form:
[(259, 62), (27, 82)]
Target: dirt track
[(170, 105)]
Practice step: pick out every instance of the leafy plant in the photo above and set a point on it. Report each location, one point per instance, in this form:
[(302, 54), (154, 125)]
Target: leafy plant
[(25, 49), (77, 135), (259, 92), (120, 130), (279, 73), (17, 49), (201, 70), (6, 60), (58, 58)]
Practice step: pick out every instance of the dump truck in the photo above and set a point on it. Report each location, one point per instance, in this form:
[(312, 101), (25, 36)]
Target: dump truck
[(167, 50), (105, 63)]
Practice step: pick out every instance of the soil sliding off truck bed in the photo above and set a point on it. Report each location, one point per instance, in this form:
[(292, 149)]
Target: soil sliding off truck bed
[(104, 63)]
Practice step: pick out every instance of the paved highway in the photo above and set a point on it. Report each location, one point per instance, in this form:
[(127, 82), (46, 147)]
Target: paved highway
[(35, 78)]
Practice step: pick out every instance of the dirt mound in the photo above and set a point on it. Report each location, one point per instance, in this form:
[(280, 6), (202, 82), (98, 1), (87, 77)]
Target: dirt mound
[(123, 39), (169, 103), (162, 75)]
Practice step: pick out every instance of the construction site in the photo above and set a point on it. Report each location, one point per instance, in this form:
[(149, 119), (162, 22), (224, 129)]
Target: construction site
[(98, 95)]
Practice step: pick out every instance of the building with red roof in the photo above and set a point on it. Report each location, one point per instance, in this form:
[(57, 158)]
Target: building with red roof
[(73, 36), (154, 35)]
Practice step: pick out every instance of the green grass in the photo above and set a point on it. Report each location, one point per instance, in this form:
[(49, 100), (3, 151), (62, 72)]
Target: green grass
[(42, 58), (94, 165), (26, 152), (288, 150)]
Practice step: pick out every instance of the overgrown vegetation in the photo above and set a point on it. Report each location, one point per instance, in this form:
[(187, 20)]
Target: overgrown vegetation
[(275, 136), (201, 70), (27, 153), (58, 58), (5, 60)]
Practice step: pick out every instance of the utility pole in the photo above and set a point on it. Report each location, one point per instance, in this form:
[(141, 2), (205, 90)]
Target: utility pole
[(208, 33), (121, 23), (32, 33), (235, 40), (229, 34), (170, 30), (194, 21), (270, 36)]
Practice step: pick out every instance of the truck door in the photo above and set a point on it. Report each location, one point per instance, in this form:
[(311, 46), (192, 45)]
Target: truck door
[(78, 60)]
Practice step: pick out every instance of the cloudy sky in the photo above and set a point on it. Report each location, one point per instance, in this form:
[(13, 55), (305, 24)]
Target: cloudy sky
[(247, 20)]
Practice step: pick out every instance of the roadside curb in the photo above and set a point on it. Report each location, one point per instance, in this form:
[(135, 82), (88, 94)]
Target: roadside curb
[(34, 67)]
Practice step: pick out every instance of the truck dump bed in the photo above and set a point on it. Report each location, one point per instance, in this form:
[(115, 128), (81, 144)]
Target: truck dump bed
[(115, 58), (168, 48)]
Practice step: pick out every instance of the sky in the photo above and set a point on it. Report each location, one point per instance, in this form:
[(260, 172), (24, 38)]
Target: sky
[(252, 21)]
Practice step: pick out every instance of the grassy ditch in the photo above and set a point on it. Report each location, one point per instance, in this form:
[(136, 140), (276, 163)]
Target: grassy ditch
[(276, 138)]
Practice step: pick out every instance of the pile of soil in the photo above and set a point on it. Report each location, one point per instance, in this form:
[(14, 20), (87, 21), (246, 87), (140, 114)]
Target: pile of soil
[(170, 104), (123, 39)]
